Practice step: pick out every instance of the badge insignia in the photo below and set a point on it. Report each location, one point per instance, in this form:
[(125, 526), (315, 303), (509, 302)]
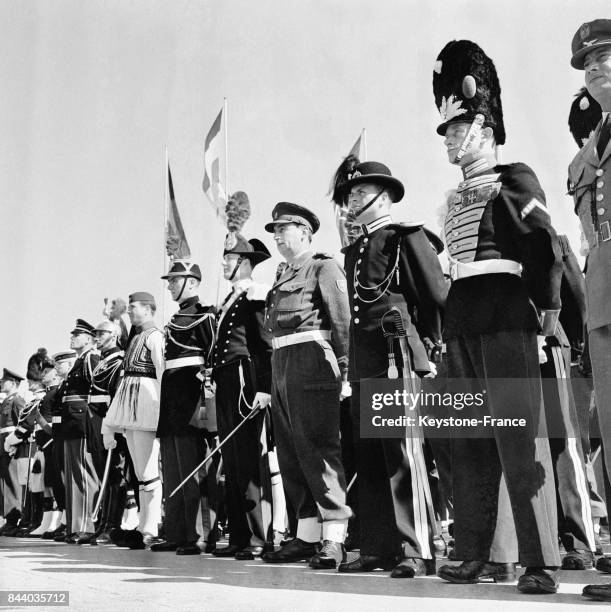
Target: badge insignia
[(438, 66), (584, 31), (589, 43), (451, 107), (230, 241), (355, 174), (342, 285)]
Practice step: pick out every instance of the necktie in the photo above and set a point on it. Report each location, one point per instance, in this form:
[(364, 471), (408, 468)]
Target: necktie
[(603, 138)]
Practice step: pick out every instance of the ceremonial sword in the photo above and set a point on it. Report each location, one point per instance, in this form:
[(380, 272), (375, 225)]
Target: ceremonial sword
[(98, 504)]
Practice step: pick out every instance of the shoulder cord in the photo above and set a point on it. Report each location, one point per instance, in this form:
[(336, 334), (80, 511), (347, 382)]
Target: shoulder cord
[(242, 397), (385, 283), (176, 327), (28, 409), (104, 375)]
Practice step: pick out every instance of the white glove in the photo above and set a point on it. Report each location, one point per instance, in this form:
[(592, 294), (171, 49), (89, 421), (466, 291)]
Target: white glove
[(540, 345), (261, 400), (433, 371), (346, 390), (109, 441), (11, 440)]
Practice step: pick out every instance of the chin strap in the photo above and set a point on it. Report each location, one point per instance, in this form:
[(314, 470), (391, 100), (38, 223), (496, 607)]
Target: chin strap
[(358, 214), (238, 263), (474, 130), (184, 284)]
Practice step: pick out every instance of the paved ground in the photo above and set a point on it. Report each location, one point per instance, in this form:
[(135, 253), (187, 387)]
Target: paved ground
[(110, 578)]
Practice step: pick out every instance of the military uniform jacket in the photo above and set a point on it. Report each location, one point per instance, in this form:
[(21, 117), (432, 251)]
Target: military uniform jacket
[(74, 396), (590, 185), (311, 294), (392, 265), (241, 333), (105, 380), (500, 213), (10, 410), (46, 410)]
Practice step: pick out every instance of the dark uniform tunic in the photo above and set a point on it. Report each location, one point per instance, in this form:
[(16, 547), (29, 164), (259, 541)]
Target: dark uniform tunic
[(390, 266), (242, 367), (81, 479), (11, 491), (104, 383), (499, 218), (310, 296), (190, 337)]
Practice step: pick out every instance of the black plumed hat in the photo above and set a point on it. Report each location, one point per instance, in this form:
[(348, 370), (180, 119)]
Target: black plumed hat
[(465, 85)]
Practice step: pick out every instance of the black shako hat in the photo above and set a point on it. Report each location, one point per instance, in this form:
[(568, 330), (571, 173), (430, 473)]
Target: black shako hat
[(253, 250), (376, 174), (465, 84), (183, 268), (590, 36), (82, 327), (287, 212), (584, 116), (10, 375)]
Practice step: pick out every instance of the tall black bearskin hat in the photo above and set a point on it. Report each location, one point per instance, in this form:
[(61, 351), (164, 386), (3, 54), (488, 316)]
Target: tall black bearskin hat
[(465, 84), (584, 116)]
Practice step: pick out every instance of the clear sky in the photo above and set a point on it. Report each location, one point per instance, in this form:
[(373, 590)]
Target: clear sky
[(93, 91)]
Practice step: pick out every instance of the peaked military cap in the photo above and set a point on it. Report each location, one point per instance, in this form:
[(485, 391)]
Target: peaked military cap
[(82, 327), (253, 250), (10, 375), (590, 36), (377, 174), (63, 355), (183, 268), (465, 84), (287, 212)]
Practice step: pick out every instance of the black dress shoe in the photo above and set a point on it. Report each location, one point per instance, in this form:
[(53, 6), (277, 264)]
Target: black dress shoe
[(188, 549), (228, 551), (471, 572), (578, 559), (538, 580), (599, 592), (165, 547), (604, 565), (59, 535), (85, 538), (69, 538), (412, 567), (103, 538), (134, 540), (329, 556), (249, 553), (11, 531), (297, 550), (366, 563)]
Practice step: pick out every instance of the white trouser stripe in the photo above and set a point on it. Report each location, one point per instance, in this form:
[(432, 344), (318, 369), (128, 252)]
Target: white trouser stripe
[(578, 467)]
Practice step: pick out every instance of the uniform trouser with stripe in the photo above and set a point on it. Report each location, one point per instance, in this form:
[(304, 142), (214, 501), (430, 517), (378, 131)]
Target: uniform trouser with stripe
[(392, 506), (600, 356), (180, 455), (517, 453), (247, 482), (11, 489), (143, 448), (576, 529), (305, 415), (57, 477), (82, 486)]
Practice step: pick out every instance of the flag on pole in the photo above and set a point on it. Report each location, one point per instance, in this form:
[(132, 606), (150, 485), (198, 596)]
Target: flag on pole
[(212, 167), (175, 239)]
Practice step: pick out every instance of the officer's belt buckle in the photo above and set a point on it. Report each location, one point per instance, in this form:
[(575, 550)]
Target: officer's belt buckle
[(605, 231)]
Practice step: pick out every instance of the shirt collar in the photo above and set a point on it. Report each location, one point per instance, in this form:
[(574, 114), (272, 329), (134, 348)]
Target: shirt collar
[(300, 260), (145, 326), (242, 285), (376, 224), (478, 166), (189, 302)]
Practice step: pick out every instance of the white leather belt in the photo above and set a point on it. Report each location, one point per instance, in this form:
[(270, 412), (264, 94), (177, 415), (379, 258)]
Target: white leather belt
[(183, 362), (487, 266), (99, 399), (56, 420), (299, 337), (10, 429), (74, 398)]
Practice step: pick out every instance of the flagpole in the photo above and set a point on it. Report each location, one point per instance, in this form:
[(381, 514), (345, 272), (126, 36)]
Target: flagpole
[(364, 136), (166, 200), (226, 190)]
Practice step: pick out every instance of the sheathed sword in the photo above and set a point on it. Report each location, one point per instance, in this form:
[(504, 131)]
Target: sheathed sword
[(216, 449), (98, 504)]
